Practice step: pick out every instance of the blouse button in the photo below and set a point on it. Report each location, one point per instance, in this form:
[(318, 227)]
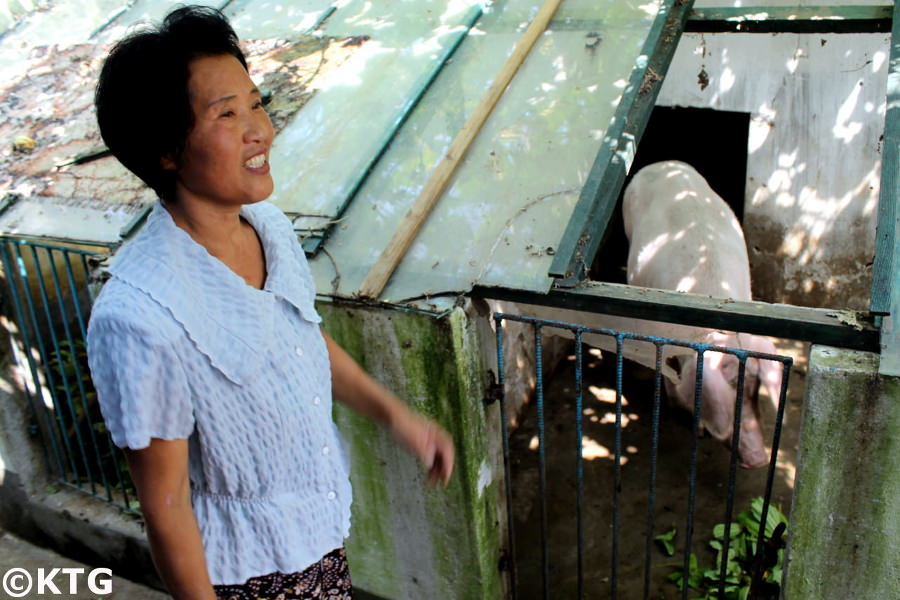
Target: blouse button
[(332, 495), (316, 400), (325, 449), (298, 350)]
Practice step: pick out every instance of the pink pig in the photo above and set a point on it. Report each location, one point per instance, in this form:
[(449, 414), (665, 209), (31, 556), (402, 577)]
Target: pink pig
[(684, 237)]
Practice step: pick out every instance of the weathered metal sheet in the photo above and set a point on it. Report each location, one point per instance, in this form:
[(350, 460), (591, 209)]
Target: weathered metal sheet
[(137, 12), (51, 101), (508, 203), (89, 221), (886, 276), (260, 19), (64, 23), (319, 159)]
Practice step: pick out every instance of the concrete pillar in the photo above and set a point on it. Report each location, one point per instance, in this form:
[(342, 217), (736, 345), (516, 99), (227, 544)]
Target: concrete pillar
[(407, 541), (845, 520)]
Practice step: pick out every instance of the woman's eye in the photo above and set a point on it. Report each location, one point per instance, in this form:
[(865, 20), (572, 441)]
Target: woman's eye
[(257, 104), (227, 113)]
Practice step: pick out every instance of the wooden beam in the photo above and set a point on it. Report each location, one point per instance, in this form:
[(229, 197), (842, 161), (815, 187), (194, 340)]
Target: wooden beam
[(314, 242), (846, 329), (391, 256)]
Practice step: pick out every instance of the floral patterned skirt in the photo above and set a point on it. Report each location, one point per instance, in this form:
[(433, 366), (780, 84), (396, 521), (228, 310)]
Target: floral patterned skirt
[(328, 579)]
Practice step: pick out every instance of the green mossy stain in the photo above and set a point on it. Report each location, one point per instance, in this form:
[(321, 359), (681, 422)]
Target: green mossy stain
[(368, 530), (846, 515), (442, 376)]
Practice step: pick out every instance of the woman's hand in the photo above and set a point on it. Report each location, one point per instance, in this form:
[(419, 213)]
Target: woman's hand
[(429, 443), (424, 438)]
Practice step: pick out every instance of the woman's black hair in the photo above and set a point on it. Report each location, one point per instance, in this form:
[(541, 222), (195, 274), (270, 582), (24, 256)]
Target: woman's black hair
[(143, 106)]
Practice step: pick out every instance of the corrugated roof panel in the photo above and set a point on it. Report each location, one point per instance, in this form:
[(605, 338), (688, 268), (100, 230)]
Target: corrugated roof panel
[(54, 218), (260, 19), (142, 11), (320, 157), (511, 198)]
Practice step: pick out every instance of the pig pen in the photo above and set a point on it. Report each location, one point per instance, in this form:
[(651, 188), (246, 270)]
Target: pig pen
[(597, 443)]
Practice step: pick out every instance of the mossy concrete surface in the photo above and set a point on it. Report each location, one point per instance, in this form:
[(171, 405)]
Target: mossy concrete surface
[(845, 520), (409, 541)]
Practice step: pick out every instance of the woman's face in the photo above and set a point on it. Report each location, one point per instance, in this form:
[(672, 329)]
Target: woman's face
[(226, 157)]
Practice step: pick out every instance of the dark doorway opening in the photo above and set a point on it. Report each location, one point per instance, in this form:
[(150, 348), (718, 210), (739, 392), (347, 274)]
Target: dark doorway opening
[(712, 141)]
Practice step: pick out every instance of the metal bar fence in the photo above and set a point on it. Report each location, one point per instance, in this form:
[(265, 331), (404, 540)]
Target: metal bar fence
[(48, 305), (660, 343)]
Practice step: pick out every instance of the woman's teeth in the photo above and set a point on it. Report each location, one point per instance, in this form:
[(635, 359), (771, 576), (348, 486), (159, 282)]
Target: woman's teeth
[(256, 162)]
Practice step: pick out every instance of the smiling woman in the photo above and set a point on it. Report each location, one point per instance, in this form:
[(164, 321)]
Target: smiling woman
[(204, 346), (231, 130)]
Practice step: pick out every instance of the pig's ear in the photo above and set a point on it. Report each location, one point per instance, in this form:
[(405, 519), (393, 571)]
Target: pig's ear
[(730, 368), (673, 363)]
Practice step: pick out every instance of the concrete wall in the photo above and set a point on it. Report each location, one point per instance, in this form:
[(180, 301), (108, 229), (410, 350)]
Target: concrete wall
[(817, 106), (844, 539), (406, 541)]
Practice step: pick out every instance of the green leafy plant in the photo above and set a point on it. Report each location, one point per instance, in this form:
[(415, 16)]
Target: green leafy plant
[(741, 562), (666, 541), (69, 365)]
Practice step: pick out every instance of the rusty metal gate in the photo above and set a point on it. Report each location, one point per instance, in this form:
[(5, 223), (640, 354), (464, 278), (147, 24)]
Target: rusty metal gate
[(725, 585), (48, 303)]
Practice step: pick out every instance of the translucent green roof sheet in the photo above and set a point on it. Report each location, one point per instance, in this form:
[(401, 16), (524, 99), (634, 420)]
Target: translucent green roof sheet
[(505, 210), (349, 164)]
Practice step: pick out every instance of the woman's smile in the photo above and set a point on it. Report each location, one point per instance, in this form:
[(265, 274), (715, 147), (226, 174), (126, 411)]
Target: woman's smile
[(258, 164), (226, 157)]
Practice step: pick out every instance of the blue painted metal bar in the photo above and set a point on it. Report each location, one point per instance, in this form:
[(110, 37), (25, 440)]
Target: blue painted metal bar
[(45, 360), (123, 479), (770, 479), (58, 364), (79, 313), (542, 457), (697, 346), (732, 473), (654, 456), (62, 404), (504, 429), (36, 244), (701, 349), (64, 316), (32, 395), (692, 477), (579, 460), (313, 243), (617, 474)]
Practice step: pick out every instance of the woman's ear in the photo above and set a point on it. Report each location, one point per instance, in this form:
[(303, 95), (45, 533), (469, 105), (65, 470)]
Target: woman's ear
[(168, 163)]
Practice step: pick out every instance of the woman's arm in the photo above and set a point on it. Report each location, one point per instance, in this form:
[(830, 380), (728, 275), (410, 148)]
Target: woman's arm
[(425, 438), (160, 473)]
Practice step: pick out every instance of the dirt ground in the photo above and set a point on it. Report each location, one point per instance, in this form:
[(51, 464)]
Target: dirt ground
[(672, 480)]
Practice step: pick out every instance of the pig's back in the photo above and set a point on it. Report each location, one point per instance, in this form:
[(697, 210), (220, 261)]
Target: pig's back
[(682, 235)]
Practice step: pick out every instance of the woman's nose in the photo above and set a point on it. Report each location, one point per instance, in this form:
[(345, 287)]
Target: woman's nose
[(259, 127)]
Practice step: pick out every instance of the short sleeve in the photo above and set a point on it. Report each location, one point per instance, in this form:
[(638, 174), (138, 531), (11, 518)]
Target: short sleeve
[(140, 382)]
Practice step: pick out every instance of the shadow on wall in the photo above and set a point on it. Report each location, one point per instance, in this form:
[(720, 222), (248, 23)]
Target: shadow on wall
[(816, 106)]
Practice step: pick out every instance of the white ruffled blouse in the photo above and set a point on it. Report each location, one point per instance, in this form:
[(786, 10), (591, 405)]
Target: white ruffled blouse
[(181, 347)]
